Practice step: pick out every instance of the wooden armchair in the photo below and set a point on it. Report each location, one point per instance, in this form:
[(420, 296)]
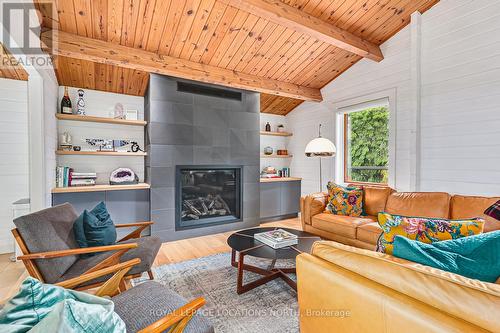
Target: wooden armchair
[(149, 307), (51, 254)]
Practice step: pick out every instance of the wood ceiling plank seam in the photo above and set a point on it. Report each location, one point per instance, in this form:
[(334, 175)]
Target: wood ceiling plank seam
[(58, 68), (213, 58), (301, 45), (281, 53), (83, 18), (217, 36), (326, 55), (324, 6), (319, 71), (115, 21), (249, 45), (209, 29), (271, 51), (88, 73), (388, 15), (171, 25), (100, 76), (330, 69), (264, 47), (358, 6), (294, 69), (157, 25), (99, 19), (199, 25), (259, 40), (312, 7), (333, 16), (187, 20), (75, 70), (144, 22), (67, 16), (128, 76), (299, 54), (48, 11), (333, 71), (245, 34), (379, 18), (131, 13), (384, 35), (358, 15), (369, 17)]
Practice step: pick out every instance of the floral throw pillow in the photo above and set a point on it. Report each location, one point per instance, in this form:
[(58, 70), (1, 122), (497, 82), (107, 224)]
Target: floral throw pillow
[(346, 201), (423, 229)]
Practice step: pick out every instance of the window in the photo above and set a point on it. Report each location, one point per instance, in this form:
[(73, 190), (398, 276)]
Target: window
[(366, 142)]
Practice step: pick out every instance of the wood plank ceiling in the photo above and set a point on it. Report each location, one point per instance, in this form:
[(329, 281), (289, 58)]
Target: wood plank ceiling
[(214, 33), (9, 68)]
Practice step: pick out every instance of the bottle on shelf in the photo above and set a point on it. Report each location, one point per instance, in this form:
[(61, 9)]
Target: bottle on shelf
[(66, 103), (268, 127)]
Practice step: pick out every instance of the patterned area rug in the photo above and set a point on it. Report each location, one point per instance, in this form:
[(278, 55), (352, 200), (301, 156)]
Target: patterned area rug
[(269, 308)]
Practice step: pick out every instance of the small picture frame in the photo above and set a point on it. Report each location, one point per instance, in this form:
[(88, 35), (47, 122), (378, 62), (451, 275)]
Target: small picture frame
[(131, 114)]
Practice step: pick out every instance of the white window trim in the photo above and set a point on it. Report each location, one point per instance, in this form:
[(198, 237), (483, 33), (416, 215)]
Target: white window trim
[(354, 104)]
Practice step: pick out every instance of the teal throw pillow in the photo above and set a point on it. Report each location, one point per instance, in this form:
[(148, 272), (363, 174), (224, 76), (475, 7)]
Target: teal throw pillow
[(95, 228), (476, 257), (39, 307)]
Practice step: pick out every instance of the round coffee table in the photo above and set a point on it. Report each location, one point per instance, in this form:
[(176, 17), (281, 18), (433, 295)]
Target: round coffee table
[(244, 243)]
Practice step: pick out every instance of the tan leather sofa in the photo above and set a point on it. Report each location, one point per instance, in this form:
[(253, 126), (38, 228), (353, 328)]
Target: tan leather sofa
[(342, 288), (364, 231)]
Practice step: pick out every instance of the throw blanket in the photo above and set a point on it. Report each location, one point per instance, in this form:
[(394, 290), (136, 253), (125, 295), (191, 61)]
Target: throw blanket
[(476, 257), (42, 307)]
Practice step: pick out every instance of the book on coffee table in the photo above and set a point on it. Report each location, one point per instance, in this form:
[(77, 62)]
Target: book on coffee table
[(277, 238)]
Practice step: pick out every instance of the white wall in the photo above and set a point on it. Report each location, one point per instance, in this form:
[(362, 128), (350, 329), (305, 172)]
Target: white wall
[(14, 164), (459, 94), (101, 104)]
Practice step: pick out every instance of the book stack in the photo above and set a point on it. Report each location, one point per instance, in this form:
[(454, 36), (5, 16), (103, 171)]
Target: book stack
[(277, 238), (66, 177)]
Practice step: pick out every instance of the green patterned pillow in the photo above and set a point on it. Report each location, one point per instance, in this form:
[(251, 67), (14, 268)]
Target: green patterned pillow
[(346, 201)]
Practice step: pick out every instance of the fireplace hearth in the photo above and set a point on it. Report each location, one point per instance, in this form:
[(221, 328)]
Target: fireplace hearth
[(207, 195)]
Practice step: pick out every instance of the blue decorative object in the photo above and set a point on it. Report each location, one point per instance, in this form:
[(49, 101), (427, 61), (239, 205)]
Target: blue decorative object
[(476, 257)]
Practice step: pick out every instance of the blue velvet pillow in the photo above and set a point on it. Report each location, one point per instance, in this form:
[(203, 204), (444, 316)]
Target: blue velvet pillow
[(95, 228), (476, 257)]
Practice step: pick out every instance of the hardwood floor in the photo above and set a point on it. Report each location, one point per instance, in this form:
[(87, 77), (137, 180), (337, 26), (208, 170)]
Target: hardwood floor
[(13, 273)]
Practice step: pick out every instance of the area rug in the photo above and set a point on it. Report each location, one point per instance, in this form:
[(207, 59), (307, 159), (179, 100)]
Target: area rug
[(269, 308)]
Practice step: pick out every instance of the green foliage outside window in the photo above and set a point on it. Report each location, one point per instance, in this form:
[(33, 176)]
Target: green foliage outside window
[(368, 145)]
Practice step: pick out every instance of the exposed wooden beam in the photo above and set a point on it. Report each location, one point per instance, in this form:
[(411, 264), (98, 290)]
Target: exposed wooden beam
[(293, 18), (74, 46)]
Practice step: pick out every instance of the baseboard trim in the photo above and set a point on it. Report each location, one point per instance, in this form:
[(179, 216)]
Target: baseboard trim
[(278, 218)]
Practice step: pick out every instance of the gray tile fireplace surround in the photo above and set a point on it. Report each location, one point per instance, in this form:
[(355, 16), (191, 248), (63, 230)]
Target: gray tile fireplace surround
[(195, 129)]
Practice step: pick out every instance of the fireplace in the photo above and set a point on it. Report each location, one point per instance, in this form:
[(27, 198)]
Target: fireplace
[(207, 195)]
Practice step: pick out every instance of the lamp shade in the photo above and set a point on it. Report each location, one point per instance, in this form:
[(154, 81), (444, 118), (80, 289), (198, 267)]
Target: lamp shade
[(320, 147)]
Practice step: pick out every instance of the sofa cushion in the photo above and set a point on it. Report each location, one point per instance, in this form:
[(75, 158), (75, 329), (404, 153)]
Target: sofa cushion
[(423, 229), (47, 230), (464, 207), (149, 302), (339, 224), (375, 198), (369, 233), (425, 204), (346, 201)]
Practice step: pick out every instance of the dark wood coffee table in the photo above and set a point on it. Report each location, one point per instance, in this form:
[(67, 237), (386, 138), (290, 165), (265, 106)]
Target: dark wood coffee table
[(244, 243)]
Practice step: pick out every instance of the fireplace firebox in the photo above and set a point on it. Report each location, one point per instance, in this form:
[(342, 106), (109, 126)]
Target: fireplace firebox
[(207, 195)]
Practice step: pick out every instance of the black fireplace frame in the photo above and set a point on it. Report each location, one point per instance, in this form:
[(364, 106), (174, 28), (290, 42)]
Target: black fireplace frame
[(237, 217)]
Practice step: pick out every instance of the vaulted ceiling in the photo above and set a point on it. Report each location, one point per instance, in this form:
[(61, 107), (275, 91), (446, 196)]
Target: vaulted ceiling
[(225, 34), (9, 68)]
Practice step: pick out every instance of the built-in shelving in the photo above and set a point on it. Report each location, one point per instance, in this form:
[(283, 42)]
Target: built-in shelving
[(99, 188), (74, 117), (280, 179), (101, 153), (275, 156), (276, 133)]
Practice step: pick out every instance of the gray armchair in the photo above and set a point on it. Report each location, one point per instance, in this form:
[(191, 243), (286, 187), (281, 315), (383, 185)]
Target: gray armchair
[(51, 254)]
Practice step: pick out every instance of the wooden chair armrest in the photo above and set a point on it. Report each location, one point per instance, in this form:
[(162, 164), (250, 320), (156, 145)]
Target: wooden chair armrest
[(121, 268), (177, 320), (135, 224), (141, 226), (72, 252)]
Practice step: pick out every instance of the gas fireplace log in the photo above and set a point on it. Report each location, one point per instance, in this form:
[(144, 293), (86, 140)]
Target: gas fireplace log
[(224, 204)]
